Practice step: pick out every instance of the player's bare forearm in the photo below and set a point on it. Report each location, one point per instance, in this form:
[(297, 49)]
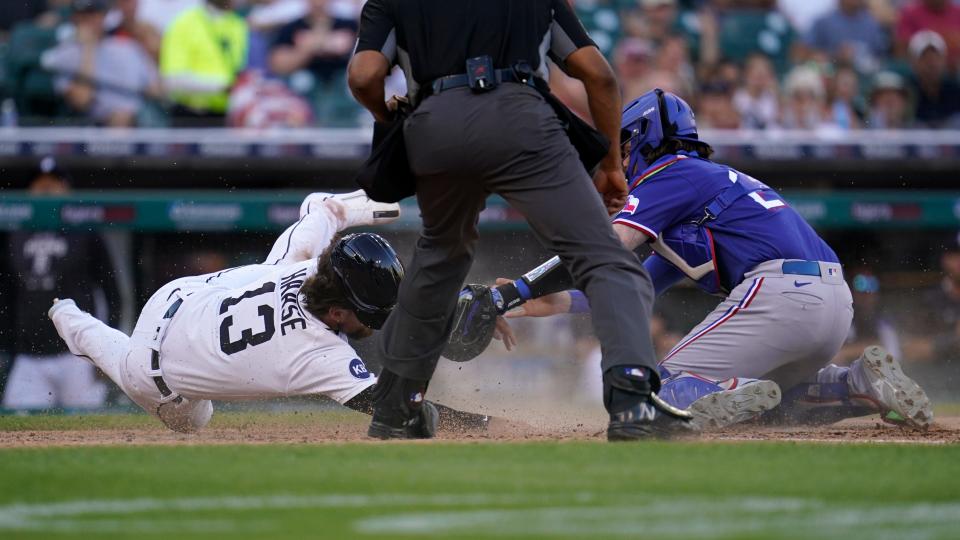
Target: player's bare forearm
[(630, 237), (546, 306), (366, 75)]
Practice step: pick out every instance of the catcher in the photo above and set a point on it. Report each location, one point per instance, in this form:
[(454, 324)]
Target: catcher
[(266, 330), (786, 308)]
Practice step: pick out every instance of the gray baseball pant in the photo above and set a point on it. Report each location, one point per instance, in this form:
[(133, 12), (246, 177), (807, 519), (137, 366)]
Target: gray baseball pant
[(776, 326), (463, 147)]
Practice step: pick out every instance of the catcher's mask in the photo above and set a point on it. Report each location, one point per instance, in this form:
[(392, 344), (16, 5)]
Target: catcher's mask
[(369, 271), (652, 119)]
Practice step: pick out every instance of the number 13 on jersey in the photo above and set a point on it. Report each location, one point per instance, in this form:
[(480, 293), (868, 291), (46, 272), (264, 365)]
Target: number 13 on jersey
[(246, 320)]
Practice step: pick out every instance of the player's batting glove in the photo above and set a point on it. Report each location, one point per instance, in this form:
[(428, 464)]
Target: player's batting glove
[(474, 322)]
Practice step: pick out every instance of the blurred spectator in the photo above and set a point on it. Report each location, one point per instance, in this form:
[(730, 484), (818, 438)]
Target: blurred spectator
[(658, 20), (668, 81), (803, 13), (804, 100), (851, 35), (746, 27), (273, 14), (941, 16), (123, 22), (26, 80), (313, 53), (261, 103), (716, 108), (45, 265), (318, 42), (885, 12), (673, 56), (847, 110), (160, 14), (203, 52), (889, 102), (871, 324), (757, 101), (730, 73), (937, 93), (601, 20), (265, 19), (104, 78), (631, 60)]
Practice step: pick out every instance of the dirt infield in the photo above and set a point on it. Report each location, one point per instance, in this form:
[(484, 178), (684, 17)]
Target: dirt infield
[(863, 430)]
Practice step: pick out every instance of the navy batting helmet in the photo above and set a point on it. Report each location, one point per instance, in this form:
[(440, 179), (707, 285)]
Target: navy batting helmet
[(651, 119), (370, 272)]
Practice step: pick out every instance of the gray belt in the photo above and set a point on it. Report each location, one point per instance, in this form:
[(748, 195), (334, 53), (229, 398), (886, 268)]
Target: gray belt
[(155, 358)]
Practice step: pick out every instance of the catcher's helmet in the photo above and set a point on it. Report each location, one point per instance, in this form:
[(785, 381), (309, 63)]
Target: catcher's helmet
[(370, 272), (651, 119)]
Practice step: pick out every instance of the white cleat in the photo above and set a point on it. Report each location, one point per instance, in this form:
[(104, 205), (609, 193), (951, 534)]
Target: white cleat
[(899, 398), (358, 209), (59, 304), (729, 407)]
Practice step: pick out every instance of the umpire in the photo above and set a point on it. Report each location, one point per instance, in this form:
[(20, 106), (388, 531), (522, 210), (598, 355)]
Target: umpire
[(479, 127)]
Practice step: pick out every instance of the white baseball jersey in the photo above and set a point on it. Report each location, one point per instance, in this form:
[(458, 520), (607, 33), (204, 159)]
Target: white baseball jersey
[(257, 340), (241, 333)]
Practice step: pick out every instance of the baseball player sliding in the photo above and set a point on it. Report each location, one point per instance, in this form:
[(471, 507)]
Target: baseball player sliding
[(273, 329), (786, 308)]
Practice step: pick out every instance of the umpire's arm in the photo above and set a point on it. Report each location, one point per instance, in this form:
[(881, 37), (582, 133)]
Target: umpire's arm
[(580, 58), (375, 53)]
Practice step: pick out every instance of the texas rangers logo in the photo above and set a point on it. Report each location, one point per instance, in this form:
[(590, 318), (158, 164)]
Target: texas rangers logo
[(632, 204), (358, 369)]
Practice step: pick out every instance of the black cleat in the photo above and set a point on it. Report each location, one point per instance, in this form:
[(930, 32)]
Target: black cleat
[(423, 426), (649, 418), (636, 413), (400, 412)]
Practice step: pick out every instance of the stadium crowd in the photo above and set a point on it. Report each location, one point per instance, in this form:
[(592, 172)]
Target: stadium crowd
[(821, 65)]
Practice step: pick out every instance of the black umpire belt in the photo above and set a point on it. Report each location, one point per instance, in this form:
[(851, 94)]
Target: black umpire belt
[(460, 81), (155, 358)]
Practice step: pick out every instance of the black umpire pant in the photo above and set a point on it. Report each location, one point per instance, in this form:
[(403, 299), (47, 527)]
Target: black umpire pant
[(462, 147)]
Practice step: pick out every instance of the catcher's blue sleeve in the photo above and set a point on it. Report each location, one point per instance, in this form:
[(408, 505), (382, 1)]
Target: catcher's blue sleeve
[(663, 274)]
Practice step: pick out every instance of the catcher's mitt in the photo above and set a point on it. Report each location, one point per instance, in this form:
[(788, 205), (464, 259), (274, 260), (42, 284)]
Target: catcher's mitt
[(474, 322)]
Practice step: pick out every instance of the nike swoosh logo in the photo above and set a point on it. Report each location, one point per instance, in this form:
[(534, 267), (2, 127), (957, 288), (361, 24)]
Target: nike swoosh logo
[(801, 283)]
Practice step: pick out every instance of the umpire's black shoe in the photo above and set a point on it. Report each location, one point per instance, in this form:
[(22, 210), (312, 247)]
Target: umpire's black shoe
[(636, 412), (400, 412)]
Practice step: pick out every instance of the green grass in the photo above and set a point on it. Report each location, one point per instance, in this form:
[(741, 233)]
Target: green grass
[(533, 490)]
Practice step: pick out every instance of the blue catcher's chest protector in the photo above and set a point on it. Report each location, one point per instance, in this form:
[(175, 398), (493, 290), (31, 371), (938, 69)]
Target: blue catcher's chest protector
[(690, 246)]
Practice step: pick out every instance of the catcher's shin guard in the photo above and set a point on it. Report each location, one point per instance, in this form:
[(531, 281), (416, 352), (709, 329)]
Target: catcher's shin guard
[(400, 411), (636, 412)]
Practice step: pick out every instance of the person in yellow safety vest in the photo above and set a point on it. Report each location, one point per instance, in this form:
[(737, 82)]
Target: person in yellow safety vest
[(203, 51)]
